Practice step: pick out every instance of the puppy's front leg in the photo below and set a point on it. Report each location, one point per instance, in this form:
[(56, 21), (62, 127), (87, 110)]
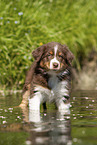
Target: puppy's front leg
[(35, 101), (62, 93), (62, 106)]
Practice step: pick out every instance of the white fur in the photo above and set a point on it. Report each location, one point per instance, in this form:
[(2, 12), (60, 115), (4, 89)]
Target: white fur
[(55, 50), (62, 106), (34, 103), (54, 60), (60, 91), (34, 116)]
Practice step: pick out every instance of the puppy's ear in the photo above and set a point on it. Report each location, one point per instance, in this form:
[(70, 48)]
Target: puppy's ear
[(69, 55), (37, 54)]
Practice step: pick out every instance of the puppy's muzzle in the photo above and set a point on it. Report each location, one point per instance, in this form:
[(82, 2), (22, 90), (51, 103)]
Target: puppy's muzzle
[(54, 64)]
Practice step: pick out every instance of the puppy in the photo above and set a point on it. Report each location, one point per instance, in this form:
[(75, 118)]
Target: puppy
[(49, 78)]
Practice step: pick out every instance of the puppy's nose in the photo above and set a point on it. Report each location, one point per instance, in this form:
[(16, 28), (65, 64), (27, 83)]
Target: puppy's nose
[(55, 65)]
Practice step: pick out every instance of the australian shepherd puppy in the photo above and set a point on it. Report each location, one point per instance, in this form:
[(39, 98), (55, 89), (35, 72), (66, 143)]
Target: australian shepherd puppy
[(49, 78)]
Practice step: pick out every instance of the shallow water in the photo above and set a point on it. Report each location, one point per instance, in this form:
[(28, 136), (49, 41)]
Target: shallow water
[(23, 127)]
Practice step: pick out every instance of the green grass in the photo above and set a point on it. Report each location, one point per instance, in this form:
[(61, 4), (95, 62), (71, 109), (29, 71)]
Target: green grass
[(26, 24)]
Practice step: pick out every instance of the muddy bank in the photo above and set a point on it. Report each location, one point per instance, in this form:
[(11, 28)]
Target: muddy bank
[(86, 79)]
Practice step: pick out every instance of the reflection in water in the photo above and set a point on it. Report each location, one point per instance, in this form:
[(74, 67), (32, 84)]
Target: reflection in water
[(51, 128)]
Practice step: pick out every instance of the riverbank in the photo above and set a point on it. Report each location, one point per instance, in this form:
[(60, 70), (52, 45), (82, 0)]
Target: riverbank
[(86, 79)]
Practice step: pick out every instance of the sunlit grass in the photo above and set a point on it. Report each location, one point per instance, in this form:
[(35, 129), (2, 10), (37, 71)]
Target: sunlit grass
[(26, 24)]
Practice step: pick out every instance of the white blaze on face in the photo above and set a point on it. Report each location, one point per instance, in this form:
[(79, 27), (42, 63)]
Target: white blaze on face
[(54, 60), (55, 50)]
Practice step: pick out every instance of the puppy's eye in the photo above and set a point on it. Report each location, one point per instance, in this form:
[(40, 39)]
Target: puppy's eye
[(60, 55), (50, 53)]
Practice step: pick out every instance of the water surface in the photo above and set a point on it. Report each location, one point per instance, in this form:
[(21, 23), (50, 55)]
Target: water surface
[(23, 127)]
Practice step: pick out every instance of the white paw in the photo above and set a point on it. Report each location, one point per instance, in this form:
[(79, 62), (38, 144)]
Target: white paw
[(64, 107), (34, 104)]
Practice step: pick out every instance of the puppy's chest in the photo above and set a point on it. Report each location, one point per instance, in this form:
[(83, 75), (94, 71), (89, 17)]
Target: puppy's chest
[(53, 81)]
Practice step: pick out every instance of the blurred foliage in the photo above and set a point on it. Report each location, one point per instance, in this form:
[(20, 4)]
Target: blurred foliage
[(26, 24)]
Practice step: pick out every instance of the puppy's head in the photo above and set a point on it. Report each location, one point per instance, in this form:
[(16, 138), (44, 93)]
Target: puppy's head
[(53, 56)]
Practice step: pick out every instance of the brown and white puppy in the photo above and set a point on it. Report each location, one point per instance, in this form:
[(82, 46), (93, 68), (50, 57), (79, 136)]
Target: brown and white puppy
[(49, 78)]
